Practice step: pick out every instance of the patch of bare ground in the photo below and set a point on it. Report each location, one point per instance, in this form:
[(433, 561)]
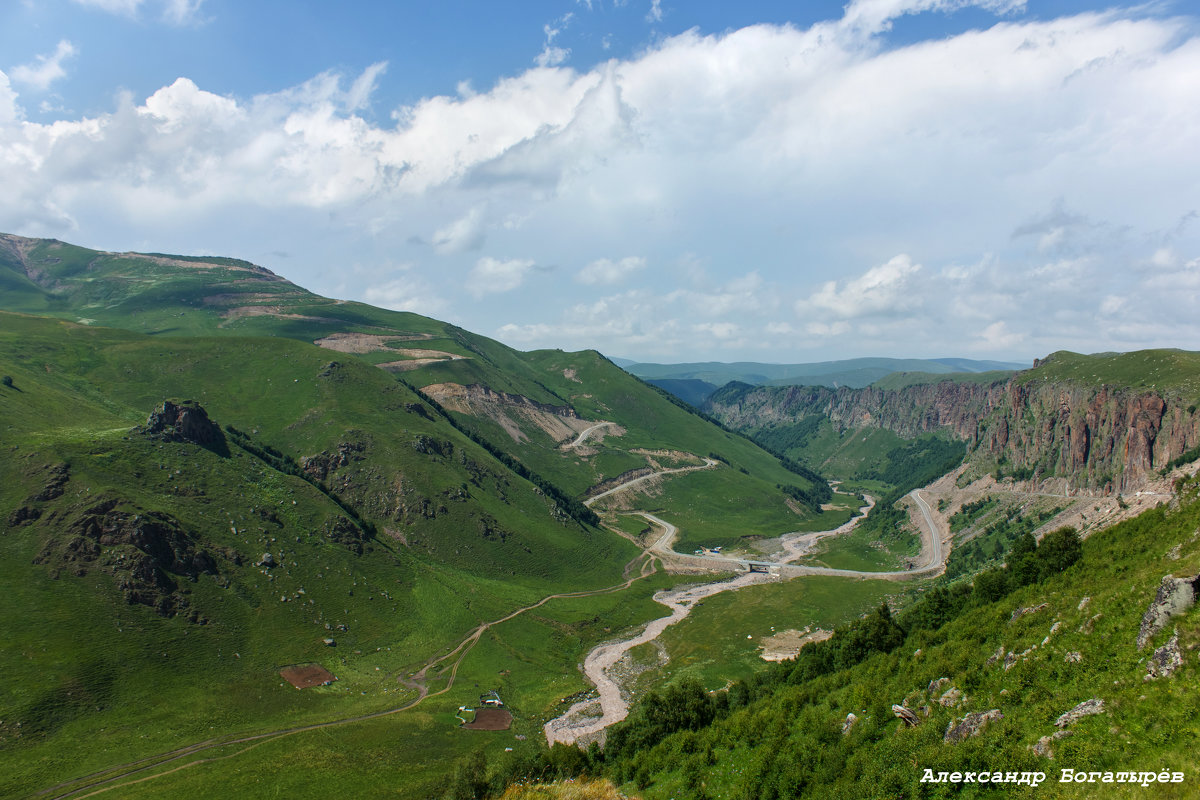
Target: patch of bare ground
[(665, 459), (786, 644), (166, 261), (798, 509), (236, 298), (490, 719), (280, 312), (306, 676), (349, 342), (512, 412), (631, 497)]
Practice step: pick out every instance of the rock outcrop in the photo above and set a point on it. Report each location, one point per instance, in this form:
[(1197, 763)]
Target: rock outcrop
[(1165, 660), (1174, 596), (1043, 748), (1085, 709), (144, 552), (905, 715), (186, 421), (970, 725)]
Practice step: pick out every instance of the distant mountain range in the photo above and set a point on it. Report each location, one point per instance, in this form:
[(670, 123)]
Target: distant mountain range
[(694, 382)]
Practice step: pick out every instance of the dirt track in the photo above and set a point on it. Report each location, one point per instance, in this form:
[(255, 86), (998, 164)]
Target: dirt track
[(577, 723)]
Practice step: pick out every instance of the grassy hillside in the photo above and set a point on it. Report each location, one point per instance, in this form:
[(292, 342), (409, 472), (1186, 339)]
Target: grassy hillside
[(138, 613), (223, 297), (146, 616), (1169, 371)]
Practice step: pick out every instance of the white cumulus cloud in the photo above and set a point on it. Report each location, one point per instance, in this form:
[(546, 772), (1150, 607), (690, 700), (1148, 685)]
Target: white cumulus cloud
[(45, 69), (885, 289)]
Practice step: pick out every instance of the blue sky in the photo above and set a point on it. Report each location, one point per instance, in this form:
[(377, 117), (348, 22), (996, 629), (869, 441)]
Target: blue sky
[(655, 179)]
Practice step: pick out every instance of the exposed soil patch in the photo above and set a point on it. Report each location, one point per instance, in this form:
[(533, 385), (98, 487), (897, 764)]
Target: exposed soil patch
[(512, 412), (366, 342), (190, 264), (306, 676), (786, 644), (233, 314), (490, 719), (238, 298)]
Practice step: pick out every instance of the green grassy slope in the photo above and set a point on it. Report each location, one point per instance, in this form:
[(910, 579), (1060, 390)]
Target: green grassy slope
[(135, 617), (1174, 371), (224, 297), (898, 380)]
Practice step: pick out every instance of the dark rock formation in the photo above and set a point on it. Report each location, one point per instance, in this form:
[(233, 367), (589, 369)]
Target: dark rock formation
[(320, 466), (56, 479), (185, 422), (145, 552), (22, 515), (344, 532)]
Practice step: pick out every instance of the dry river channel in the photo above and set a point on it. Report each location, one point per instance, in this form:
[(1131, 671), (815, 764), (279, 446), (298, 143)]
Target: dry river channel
[(580, 722)]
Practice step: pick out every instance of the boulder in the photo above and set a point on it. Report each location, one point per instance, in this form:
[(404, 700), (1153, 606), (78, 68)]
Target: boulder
[(1042, 748), (267, 561), (970, 725), (906, 716), (950, 698), (851, 718), (1020, 612), (1166, 659), (1084, 709), (1174, 596)]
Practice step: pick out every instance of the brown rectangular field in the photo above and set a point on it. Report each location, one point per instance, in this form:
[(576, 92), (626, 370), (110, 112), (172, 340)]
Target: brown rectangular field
[(304, 676), (490, 719)]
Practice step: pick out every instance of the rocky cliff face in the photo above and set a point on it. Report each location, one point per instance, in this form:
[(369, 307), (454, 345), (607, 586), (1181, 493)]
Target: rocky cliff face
[(909, 412), (1100, 437)]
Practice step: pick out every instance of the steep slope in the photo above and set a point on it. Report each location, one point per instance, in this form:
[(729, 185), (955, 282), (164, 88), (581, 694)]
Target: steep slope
[(528, 405), (164, 560)]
